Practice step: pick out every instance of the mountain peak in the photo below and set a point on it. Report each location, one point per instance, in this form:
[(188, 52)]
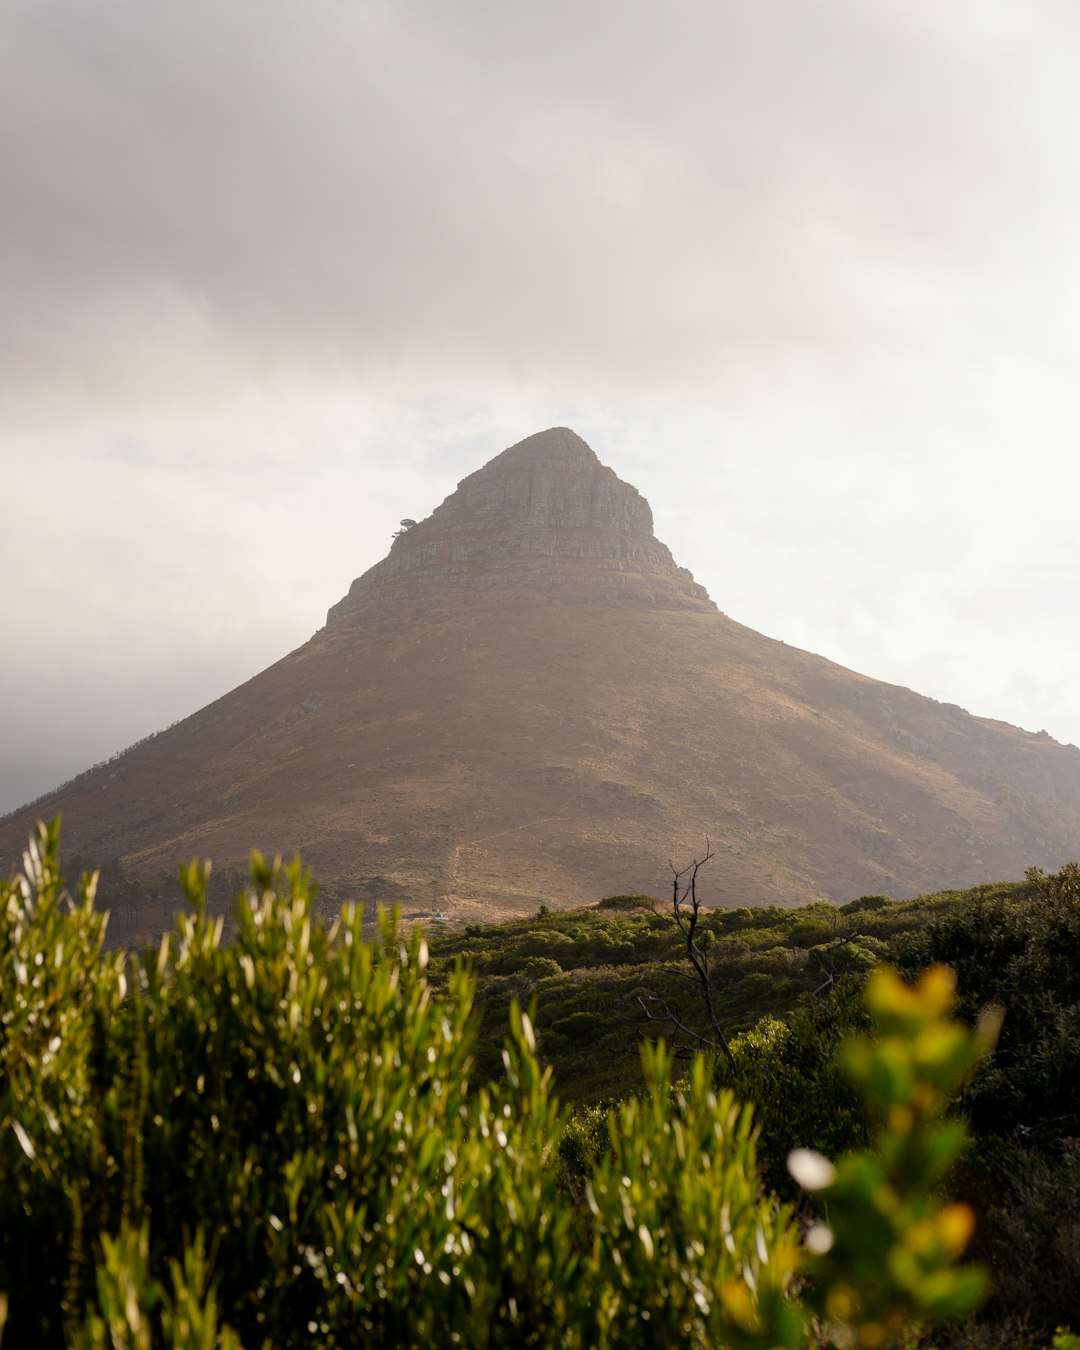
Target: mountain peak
[(544, 516), (554, 442)]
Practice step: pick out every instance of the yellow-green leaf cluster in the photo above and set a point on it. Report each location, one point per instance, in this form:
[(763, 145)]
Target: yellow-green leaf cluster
[(886, 1255)]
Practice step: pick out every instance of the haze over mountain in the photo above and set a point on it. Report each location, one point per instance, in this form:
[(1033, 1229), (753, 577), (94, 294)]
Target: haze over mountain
[(807, 270), (529, 701)]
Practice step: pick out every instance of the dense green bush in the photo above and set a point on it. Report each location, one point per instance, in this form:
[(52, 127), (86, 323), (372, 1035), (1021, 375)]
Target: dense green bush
[(789, 1070), (291, 1116), (630, 902), (1020, 953), (866, 904), (1032, 1241)]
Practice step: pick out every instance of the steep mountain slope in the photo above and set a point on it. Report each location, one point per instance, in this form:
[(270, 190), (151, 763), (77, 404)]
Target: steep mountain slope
[(528, 701)]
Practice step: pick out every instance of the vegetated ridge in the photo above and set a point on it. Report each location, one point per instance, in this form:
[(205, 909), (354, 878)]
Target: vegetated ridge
[(528, 701), (589, 974)]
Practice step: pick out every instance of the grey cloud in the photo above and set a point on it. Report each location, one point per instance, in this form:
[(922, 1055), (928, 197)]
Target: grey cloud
[(591, 190)]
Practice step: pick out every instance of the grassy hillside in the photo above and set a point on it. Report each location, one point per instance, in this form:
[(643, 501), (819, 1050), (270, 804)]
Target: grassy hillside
[(588, 970)]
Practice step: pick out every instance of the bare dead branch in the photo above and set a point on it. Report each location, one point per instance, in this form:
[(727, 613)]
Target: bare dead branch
[(686, 908), (827, 959), (669, 1018)]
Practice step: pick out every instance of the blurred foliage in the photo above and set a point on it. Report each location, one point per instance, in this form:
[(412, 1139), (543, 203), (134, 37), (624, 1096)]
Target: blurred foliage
[(886, 1251)]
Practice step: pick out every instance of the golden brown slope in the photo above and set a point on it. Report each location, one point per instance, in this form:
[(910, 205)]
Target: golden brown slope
[(528, 701)]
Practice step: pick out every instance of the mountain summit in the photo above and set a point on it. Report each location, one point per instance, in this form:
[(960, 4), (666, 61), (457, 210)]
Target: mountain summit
[(527, 701), (544, 515)]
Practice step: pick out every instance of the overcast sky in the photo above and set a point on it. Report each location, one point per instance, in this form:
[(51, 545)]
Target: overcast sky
[(274, 274)]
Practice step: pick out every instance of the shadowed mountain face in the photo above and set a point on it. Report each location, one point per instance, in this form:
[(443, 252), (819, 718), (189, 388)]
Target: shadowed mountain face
[(528, 701)]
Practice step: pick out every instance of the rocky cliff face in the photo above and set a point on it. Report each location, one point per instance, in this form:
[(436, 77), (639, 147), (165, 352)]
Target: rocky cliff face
[(545, 516)]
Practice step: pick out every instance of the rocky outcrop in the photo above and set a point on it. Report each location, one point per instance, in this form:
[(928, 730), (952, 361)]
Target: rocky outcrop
[(544, 517)]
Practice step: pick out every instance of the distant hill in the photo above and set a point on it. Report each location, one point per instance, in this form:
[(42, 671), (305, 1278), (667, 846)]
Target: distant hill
[(528, 701)]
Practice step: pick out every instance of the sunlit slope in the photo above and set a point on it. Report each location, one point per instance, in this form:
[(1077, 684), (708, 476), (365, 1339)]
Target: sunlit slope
[(489, 758), (529, 701)]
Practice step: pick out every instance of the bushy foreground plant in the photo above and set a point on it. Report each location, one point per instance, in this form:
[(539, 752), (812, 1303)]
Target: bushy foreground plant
[(287, 1123), (276, 1143)]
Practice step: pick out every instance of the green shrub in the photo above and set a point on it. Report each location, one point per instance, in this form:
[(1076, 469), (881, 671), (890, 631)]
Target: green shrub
[(867, 904), (277, 1142), (621, 902), (581, 1028), (68, 1105), (289, 1120), (789, 1070), (536, 968), (584, 1141), (1032, 1240), (1020, 954)]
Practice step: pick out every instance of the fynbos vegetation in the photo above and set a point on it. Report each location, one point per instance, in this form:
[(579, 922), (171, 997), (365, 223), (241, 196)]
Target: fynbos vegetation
[(286, 1140)]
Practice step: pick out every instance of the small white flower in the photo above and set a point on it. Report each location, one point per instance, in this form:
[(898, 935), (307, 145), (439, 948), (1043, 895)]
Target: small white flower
[(819, 1239), (811, 1170)]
